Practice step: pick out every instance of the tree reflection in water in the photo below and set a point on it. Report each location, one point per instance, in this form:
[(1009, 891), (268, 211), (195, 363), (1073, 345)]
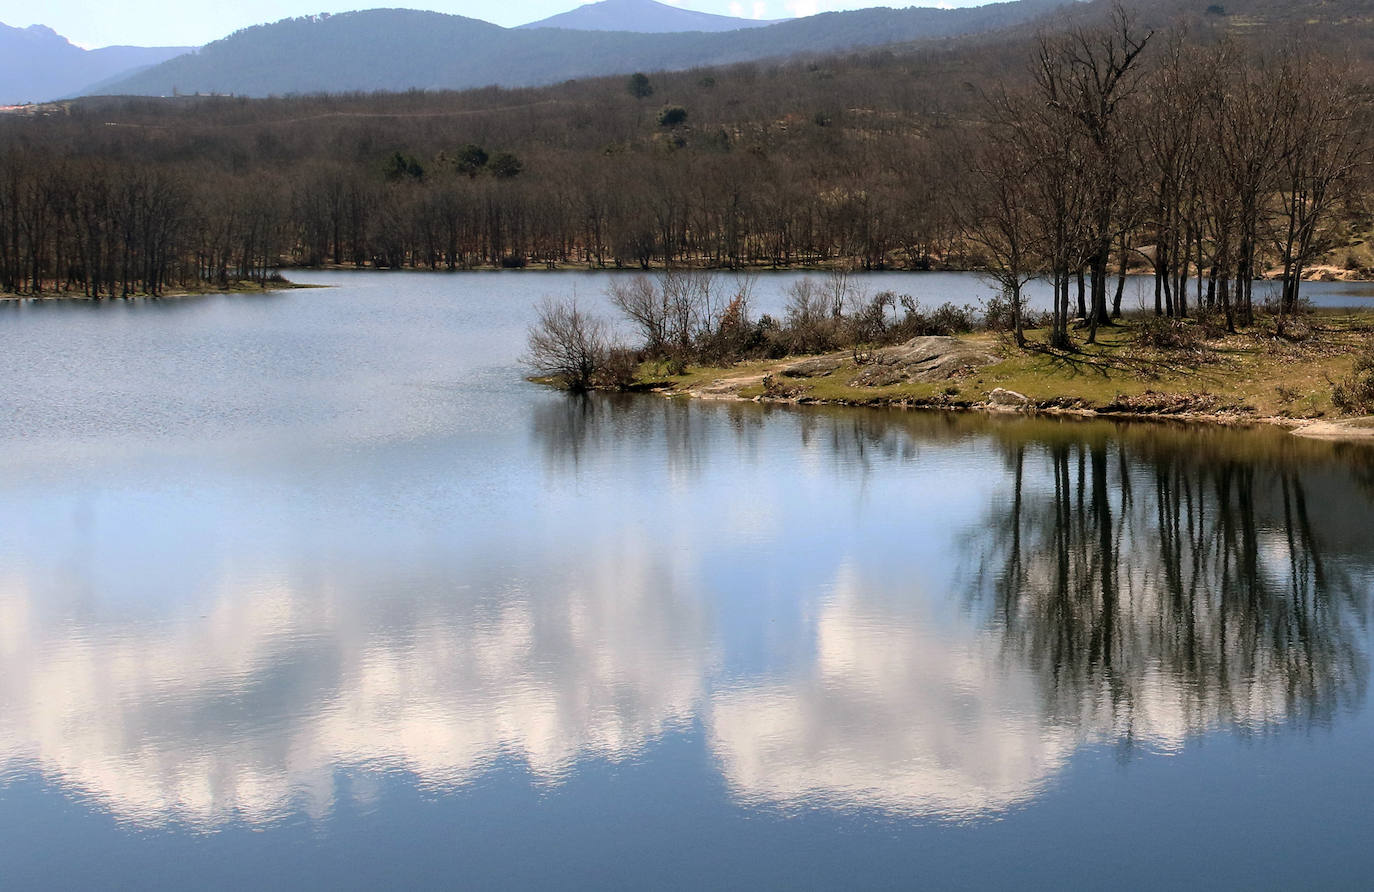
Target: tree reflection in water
[(1159, 580), (1153, 579)]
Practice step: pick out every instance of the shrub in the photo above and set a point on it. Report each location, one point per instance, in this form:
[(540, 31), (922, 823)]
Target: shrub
[(672, 116), (1354, 394), (999, 314), (618, 369), (1167, 333), (1273, 305), (869, 325), (808, 326), (504, 166), (733, 336), (1211, 323), (947, 319)]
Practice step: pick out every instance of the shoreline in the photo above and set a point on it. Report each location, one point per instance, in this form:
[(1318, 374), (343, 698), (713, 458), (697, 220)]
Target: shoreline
[(169, 294), (1317, 274), (1355, 429), (1233, 380)]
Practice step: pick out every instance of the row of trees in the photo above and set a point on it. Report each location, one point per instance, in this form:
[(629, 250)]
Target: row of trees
[(1208, 163), (112, 230), (722, 211)]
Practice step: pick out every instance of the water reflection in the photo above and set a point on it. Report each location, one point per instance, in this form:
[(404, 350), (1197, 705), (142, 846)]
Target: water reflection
[(1133, 586), (1158, 592), (573, 428), (939, 612), (897, 712), (248, 712)]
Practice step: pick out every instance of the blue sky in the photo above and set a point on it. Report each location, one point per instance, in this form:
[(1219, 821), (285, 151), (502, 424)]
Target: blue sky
[(93, 23)]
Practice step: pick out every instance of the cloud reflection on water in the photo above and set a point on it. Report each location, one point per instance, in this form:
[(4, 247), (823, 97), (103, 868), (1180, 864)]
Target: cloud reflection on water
[(1127, 588), (247, 712)]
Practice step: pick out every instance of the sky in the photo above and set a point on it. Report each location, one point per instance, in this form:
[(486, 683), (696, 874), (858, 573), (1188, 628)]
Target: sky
[(94, 23)]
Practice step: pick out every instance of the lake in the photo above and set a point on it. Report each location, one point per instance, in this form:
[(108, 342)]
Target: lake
[(312, 589)]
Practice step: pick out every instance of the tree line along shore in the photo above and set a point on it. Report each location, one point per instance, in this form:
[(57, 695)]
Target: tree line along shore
[(1098, 146)]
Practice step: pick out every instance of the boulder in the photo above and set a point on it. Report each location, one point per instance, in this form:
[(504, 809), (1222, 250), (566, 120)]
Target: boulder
[(930, 358), (1008, 399)]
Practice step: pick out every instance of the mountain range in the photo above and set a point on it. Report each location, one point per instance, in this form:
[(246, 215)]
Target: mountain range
[(394, 49), (401, 49), (37, 64)]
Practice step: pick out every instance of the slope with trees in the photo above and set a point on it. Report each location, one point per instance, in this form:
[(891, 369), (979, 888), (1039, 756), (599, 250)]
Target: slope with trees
[(398, 49)]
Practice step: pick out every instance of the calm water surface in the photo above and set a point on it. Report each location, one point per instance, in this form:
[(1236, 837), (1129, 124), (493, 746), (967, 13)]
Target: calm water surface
[(312, 589)]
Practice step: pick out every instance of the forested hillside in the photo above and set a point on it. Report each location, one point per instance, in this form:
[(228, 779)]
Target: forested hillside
[(398, 49), (1227, 153)]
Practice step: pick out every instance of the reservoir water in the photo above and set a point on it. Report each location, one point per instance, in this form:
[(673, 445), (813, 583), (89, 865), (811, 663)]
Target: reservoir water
[(312, 589)]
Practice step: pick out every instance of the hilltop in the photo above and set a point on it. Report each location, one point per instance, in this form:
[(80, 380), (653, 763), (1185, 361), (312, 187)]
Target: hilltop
[(643, 16)]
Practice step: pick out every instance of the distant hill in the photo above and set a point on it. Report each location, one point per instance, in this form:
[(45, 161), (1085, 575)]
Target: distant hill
[(400, 49), (643, 16), (37, 64)]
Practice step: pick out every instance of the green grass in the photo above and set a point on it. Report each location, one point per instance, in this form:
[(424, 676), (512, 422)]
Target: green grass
[(1244, 374)]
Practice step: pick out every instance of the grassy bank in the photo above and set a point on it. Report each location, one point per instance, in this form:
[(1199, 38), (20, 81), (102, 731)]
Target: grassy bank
[(1257, 376)]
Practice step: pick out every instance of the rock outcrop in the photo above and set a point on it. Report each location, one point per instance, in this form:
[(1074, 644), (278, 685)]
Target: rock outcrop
[(923, 359)]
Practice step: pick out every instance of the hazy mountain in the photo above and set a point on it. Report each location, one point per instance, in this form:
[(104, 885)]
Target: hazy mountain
[(643, 16), (37, 64), (399, 49)]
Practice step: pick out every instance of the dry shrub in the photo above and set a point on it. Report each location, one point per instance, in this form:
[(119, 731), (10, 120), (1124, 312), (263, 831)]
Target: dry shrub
[(946, 319), (1168, 333), (1354, 394), (618, 370)]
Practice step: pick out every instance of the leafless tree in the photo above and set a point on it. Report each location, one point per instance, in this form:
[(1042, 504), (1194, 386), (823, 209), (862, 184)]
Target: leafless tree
[(568, 344)]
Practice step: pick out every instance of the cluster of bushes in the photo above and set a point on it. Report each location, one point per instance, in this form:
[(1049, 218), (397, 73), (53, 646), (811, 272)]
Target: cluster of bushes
[(688, 318), (1273, 321), (1354, 394), (832, 315), (1174, 333)]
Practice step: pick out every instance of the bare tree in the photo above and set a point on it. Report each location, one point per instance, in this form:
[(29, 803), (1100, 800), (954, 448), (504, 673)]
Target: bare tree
[(996, 216), (1321, 145), (568, 344), (1087, 77), (645, 306)]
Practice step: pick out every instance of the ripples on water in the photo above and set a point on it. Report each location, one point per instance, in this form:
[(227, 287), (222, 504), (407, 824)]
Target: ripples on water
[(368, 574)]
